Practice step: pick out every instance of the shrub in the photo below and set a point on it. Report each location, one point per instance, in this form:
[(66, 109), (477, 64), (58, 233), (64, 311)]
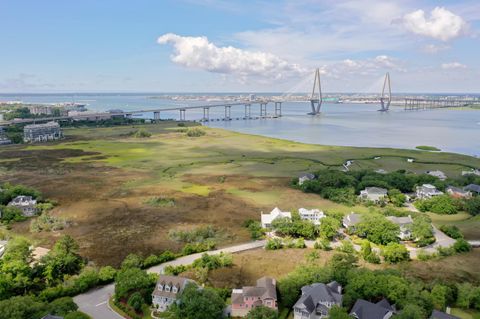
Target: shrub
[(77, 315), (141, 133), (274, 244), (323, 244), (160, 202), (136, 301), (107, 274), (195, 132), (462, 246), (443, 204), (452, 231), (394, 253), (423, 255)]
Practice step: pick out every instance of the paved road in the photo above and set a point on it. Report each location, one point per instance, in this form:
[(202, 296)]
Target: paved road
[(95, 302)]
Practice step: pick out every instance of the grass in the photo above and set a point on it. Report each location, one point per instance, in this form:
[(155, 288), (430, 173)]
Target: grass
[(427, 148), (465, 314), (468, 225), (221, 178)]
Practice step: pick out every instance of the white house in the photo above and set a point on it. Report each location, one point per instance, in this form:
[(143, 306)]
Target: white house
[(374, 194), (305, 177), (439, 174), (267, 219), (405, 224), (313, 215), (167, 291), (26, 204), (427, 191), (351, 220)]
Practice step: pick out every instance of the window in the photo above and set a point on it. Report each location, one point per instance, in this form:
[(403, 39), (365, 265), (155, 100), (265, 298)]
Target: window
[(160, 287)]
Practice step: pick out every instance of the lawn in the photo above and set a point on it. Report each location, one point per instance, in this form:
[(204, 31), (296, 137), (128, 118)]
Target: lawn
[(102, 177), (468, 225), (465, 314)]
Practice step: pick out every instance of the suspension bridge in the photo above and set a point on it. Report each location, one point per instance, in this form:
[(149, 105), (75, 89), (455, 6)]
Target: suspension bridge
[(255, 109)]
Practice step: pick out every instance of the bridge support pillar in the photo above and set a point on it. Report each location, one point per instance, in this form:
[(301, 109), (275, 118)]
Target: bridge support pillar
[(263, 109), (278, 109), (182, 114), (248, 111), (227, 113), (156, 116), (206, 114)]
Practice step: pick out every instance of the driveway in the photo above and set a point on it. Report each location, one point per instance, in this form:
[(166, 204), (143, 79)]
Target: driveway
[(95, 302), (441, 240)]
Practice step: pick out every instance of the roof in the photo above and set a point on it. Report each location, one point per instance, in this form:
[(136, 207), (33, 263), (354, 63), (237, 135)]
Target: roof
[(171, 281), (303, 211), (376, 190), (400, 220), (352, 219), (266, 288), (52, 317), (319, 292), (44, 125), (23, 201), (442, 315), (455, 189), (473, 187), (306, 175), (274, 214), (366, 310)]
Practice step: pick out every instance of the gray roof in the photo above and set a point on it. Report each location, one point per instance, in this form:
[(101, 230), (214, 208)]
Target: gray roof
[(473, 188), (171, 281), (352, 219), (366, 310), (315, 293), (52, 317), (266, 288), (376, 190), (400, 220), (306, 175), (455, 189), (442, 315)]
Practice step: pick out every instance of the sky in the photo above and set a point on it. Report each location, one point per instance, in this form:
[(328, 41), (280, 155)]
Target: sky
[(239, 46)]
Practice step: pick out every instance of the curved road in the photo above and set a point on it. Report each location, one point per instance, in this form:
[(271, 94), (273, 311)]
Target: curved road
[(95, 302)]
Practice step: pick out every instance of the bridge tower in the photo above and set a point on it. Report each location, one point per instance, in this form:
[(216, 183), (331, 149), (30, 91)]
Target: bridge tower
[(316, 98), (386, 100)]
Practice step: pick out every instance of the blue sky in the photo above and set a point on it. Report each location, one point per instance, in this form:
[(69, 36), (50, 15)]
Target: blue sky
[(243, 46)]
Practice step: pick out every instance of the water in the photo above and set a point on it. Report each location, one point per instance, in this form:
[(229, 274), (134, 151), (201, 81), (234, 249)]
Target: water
[(339, 124)]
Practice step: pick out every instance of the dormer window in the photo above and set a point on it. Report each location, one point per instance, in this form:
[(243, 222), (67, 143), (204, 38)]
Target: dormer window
[(174, 289), (167, 288), (160, 287)]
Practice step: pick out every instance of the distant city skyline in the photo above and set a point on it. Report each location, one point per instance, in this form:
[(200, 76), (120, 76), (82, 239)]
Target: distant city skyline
[(236, 46)]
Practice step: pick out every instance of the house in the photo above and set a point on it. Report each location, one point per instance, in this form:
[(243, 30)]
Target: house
[(52, 317), (3, 138), (167, 291), (404, 223), (442, 315), (439, 174), (313, 215), (471, 172), (317, 299), (474, 188), (247, 298), (26, 204), (351, 220), (427, 191), (267, 219), (363, 309), (374, 194), (458, 192), (305, 177), (42, 132)]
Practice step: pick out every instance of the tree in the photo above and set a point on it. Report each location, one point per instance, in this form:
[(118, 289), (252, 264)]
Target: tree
[(443, 204), (341, 264), (62, 306), (422, 230), (394, 253), (368, 254), (262, 312), (107, 274), (130, 280), (462, 246), (439, 296), (397, 198), (329, 227), (465, 294), (132, 261), (472, 205), (196, 303), (337, 312), (377, 229), (136, 301), (273, 244), (77, 315), (63, 259), (22, 307), (411, 311)]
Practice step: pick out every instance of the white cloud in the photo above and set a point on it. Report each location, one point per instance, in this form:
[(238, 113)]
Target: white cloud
[(453, 65), (433, 49), (441, 24), (198, 52)]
